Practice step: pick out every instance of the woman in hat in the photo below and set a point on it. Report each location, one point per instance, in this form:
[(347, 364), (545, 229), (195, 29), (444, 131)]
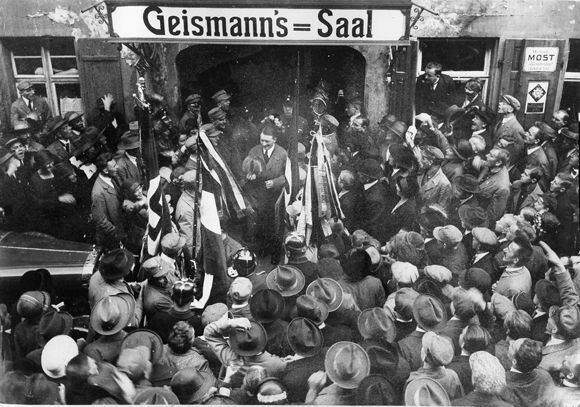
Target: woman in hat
[(44, 195)]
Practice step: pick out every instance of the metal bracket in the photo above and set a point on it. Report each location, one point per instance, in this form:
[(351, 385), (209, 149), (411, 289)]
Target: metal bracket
[(100, 13), (419, 10)]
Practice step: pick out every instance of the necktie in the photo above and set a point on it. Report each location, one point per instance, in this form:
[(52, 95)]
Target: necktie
[(266, 158), (30, 105)]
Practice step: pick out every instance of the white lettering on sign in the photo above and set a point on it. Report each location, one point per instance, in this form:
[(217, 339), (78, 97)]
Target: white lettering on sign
[(258, 24), (541, 59)]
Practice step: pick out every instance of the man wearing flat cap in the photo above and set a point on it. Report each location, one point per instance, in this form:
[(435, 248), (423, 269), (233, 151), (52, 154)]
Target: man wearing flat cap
[(222, 100), (27, 104), (435, 188), (193, 106), (508, 128), (157, 287)]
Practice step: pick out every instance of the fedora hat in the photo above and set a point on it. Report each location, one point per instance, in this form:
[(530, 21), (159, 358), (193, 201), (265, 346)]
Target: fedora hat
[(304, 337), (266, 306), (190, 385), (382, 354), (129, 141), (54, 124), (88, 139), (147, 338), (377, 323), (56, 354), (72, 116), (328, 291), (568, 133), (429, 313), (116, 264), (485, 113), (51, 324), (404, 299), (451, 112), (248, 342), (473, 216), (431, 218), (287, 280), (426, 392), (376, 390), (467, 183), (112, 313), (463, 149), (347, 364), (310, 307), (155, 395), (62, 170), (399, 128), (371, 168)]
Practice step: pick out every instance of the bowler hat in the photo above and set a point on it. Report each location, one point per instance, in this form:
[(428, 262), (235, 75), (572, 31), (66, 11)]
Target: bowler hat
[(512, 101), (328, 291), (193, 98), (485, 113), (56, 354), (129, 141), (183, 291), (399, 128), (467, 183), (116, 264), (216, 113), (287, 280), (154, 267), (32, 303), (147, 338), (371, 168), (304, 337), (376, 390), (248, 342), (377, 323), (448, 234), (51, 324), (429, 313), (241, 289), (548, 294), (473, 216), (23, 85), (424, 391), (310, 307), (155, 395), (463, 149), (347, 364), (266, 306), (172, 243), (221, 95), (112, 313), (485, 236)]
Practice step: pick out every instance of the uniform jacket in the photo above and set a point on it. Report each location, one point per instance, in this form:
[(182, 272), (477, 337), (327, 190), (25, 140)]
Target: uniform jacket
[(127, 170), (19, 110), (185, 216), (494, 193), (107, 212), (436, 190)]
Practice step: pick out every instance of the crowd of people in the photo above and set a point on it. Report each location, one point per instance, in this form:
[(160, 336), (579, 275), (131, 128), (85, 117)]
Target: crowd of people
[(449, 276)]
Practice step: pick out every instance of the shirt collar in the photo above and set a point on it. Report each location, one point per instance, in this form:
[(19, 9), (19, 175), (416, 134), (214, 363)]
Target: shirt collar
[(131, 158), (479, 256), (513, 270), (478, 132), (513, 369), (531, 150), (554, 341), (370, 184)]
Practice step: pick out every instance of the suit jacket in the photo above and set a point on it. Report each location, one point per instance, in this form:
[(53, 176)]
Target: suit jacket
[(399, 218), (185, 216), (514, 131), (452, 330), (410, 349), (453, 210), (529, 387), (550, 152), (274, 169), (59, 151), (373, 212), (539, 328), (106, 211), (436, 100), (350, 204), (436, 190), (485, 263), (538, 158), (127, 170), (494, 192), (19, 110), (528, 201)]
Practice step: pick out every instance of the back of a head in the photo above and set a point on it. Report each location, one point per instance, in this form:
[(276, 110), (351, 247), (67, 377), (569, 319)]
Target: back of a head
[(181, 337), (518, 324), (525, 249), (254, 376), (475, 338), (527, 354), (78, 369)]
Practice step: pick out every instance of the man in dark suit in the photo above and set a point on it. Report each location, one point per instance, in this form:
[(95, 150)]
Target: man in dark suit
[(61, 148), (106, 204), (374, 206), (128, 162), (28, 106), (273, 159), (434, 91), (535, 157), (350, 199)]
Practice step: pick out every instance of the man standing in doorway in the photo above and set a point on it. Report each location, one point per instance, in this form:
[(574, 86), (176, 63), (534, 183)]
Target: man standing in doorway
[(27, 104), (508, 132), (435, 91)]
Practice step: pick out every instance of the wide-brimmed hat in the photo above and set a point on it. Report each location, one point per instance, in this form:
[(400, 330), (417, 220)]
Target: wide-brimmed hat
[(371, 168), (399, 128), (190, 385), (62, 170), (328, 291), (347, 364), (116, 264), (54, 124), (546, 129), (568, 133), (310, 307), (473, 216), (431, 218), (451, 112), (385, 360), (426, 392), (429, 313), (112, 313), (129, 141), (463, 149), (248, 342), (56, 354), (304, 337), (88, 139), (147, 338), (376, 390), (252, 166), (287, 280), (426, 285), (404, 299), (377, 323), (467, 183), (266, 306), (172, 243), (155, 395), (72, 116), (51, 324)]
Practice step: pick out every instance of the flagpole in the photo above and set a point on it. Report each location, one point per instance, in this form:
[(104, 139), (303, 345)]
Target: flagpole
[(196, 209)]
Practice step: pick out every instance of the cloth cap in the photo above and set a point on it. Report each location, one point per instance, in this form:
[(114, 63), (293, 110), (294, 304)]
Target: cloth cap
[(438, 273), (485, 236), (501, 306), (439, 347), (546, 129), (56, 355), (433, 152), (216, 113), (347, 364), (154, 267), (473, 216), (212, 313), (416, 240), (172, 243), (241, 289), (193, 98), (448, 234), (405, 273), (328, 120), (512, 101), (478, 278), (190, 142), (220, 95), (189, 179), (429, 313), (463, 304)]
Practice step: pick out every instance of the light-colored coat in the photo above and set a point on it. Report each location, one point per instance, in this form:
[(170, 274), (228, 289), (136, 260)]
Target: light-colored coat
[(436, 190)]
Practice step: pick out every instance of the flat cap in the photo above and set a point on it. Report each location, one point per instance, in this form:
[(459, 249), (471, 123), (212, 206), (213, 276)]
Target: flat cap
[(485, 236), (512, 101)]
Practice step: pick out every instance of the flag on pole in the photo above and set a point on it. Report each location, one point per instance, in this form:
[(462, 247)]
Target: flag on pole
[(159, 223)]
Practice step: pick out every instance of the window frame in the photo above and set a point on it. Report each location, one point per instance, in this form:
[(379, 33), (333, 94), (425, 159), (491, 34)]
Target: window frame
[(49, 79)]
